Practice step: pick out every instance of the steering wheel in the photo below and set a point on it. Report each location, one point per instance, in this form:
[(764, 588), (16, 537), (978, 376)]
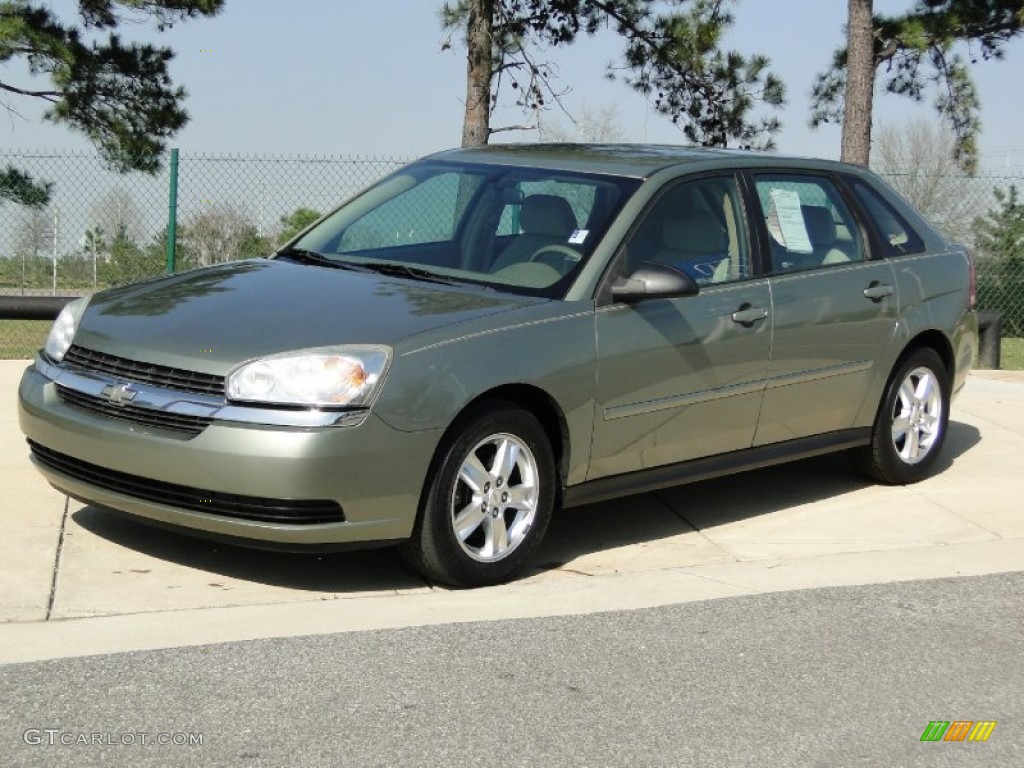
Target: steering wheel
[(561, 257)]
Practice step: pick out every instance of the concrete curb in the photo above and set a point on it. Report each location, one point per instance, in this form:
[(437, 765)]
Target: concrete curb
[(570, 595)]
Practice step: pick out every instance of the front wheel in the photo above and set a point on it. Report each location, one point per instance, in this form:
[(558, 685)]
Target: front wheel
[(489, 502), (911, 423)]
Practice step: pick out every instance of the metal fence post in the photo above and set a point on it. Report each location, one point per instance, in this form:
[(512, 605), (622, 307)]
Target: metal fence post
[(172, 212)]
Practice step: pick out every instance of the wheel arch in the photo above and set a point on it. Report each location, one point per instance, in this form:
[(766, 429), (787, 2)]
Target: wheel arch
[(928, 339), (881, 459), (427, 549), (935, 340), (543, 407), (530, 398)]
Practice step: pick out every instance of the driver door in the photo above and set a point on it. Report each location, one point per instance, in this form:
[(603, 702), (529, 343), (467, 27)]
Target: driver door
[(683, 378)]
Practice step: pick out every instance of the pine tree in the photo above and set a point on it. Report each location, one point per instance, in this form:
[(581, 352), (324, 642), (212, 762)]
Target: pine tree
[(120, 95), (674, 58), (915, 54)]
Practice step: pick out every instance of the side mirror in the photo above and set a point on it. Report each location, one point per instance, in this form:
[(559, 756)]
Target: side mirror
[(654, 281)]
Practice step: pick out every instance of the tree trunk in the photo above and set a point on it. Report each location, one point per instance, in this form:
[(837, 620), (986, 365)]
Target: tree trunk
[(860, 83), (476, 126)]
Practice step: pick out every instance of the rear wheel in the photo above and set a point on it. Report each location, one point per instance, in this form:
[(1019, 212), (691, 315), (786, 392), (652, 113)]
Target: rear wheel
[(489, 502), (911, 423)]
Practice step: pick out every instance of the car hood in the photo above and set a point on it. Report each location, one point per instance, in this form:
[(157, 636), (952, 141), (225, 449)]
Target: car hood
[(213, 318)]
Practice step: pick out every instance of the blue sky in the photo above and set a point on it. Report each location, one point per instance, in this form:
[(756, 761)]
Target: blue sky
[(348, 77)]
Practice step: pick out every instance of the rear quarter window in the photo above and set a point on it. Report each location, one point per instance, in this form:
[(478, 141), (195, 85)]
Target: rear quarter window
[(896, 234)]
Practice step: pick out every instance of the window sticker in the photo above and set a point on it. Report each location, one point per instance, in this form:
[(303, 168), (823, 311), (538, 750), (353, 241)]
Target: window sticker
[(786, 221), (578, 236)]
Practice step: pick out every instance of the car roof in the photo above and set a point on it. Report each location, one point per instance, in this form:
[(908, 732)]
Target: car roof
[(633, 160)]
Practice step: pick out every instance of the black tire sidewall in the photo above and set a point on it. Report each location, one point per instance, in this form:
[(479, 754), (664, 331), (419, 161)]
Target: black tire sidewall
[(440, 554), (888, 465)]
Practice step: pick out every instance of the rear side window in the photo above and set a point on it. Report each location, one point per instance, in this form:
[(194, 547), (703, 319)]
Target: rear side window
[(809, 225), (892, 227)]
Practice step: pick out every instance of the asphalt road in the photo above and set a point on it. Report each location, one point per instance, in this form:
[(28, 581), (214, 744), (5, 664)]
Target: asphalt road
[(830, 677)]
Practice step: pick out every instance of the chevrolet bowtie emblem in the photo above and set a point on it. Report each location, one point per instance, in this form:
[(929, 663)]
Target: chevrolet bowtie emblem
[(118, 394)]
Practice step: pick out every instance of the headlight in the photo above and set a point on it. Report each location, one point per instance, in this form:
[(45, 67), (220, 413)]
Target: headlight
[(62, 332), (330, 376)]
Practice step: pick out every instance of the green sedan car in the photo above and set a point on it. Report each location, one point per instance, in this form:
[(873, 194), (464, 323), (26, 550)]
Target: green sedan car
[(489, 335)]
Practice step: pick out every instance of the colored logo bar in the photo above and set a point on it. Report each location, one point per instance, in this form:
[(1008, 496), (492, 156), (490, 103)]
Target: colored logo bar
[(958, 730)]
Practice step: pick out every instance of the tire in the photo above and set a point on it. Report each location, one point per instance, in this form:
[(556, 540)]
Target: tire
[(910, 427), (488, 501)]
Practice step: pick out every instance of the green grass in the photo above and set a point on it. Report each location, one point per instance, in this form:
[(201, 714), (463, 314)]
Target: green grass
[(21, 338), (1011, 355)]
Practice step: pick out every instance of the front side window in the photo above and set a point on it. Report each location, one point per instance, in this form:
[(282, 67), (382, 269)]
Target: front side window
[(526, 230), (809, 226), (698, 227)]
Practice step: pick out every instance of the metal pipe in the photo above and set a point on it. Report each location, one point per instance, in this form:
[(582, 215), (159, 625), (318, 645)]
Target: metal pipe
[(32, 307)]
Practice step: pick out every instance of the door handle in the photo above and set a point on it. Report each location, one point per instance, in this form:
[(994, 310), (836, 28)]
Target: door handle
[(877, 291), (747, 315)]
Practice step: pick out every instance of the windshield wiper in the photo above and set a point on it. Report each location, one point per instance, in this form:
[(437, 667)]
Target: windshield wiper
[(305, 256), (404, 270)]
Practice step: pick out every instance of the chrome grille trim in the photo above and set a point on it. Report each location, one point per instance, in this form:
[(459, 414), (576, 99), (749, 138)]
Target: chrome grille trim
[(148, 417), (147, 373)]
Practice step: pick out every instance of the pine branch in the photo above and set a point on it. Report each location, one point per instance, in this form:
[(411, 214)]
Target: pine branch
[(51, 96)]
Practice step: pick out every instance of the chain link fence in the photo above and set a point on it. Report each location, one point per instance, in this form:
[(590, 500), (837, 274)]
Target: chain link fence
[(102, 228), (985, 213)]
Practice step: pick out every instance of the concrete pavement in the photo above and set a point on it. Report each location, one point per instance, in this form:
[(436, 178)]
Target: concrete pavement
[(81, 581), (845, 676)]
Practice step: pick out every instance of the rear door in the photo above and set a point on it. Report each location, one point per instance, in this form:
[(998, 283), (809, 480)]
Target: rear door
[(834, 308)]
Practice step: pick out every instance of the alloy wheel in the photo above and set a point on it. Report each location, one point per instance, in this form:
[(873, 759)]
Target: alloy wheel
[(917, 415), (495, 498)]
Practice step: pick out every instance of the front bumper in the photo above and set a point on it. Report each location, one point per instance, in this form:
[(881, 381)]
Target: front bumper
[(374, 472)]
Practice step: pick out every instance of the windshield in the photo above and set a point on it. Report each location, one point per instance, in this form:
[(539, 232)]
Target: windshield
[(524, 230)]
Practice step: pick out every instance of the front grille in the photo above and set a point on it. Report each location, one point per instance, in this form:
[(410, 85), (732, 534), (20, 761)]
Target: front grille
[(291, 511), (147, 373), (176, 422)]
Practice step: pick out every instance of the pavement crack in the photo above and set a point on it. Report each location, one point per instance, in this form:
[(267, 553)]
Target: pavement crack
[(923, 494), (56, 560), (677, 513)]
